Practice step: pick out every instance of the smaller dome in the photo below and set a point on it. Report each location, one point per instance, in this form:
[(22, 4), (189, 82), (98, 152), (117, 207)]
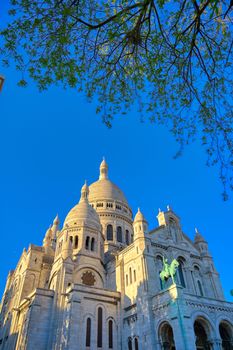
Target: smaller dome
[(48, 236), (83, 212), (139, 216), (198, 237)]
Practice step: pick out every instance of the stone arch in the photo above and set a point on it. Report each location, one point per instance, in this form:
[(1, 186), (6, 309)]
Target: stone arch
[(130, 275), (92, 244), (130, 272), (52, 278), (14, 291), (181, 275), (100, 312), (15, 286), (225, 329), (197, 267), (130, 343), (29, 284), (159, 256), (173, 220), (119, 234), (76, 242), (104, 310), (109, 232), (111, 326), (87, 243), (88, 314), (108, 318), (173, 226), (166, 336), (136, 343), (127, 237), (197, 279), (183, 259), (203, 331), (159, 267), (88, 327)]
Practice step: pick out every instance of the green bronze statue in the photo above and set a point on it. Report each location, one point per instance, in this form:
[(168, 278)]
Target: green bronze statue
[(168, 270)]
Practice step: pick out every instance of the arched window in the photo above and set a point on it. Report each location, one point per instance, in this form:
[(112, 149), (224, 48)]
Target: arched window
[(100, 328), (71, 239), (166, 336), (196, 270), (181, 273), (201, 335), (119, 234), (60, 246), (109, 233), (134, 273), (130, 275), (127, 280), (200, 288), (93, 244), (88, 332), (130, 344), (87, 242), (136, 343), (225, 331), (127, 237), (76, 242), (110, 334), (159, 267)]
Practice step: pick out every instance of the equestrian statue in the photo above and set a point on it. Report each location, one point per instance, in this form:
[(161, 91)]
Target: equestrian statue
[(168, 270)]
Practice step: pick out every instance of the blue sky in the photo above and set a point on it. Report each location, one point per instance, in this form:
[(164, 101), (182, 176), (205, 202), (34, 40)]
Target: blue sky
[(52, 141)]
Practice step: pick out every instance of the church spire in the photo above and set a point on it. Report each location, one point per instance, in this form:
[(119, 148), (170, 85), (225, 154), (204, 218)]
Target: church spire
[(201, 243), (103, 170), (56, 221), (54, 230), (84, 192), (140, 225), (198, 237)]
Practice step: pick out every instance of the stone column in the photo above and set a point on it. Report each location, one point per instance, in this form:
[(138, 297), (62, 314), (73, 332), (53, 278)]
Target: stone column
[(183, 331), (75, 338), (215, 344), (158, 345)]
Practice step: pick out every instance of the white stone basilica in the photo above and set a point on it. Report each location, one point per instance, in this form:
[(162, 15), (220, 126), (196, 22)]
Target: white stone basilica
[(94, 284)]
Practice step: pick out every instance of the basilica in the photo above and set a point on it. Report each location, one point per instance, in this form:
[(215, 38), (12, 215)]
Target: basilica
[(95, 283)]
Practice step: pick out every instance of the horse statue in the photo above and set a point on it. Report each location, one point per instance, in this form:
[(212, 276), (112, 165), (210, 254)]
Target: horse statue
[(168, 270)]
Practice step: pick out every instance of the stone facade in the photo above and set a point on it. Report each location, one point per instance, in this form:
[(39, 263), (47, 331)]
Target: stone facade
[(95, 284)]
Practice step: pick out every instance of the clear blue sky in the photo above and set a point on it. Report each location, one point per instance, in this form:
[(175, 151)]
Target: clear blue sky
[(52, 141)]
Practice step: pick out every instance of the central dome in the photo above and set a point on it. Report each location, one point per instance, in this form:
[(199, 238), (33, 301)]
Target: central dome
[(104, 188), (82, 212)]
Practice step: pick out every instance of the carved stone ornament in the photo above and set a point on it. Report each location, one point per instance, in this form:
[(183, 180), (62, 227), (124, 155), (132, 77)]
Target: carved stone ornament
[(88, 278)]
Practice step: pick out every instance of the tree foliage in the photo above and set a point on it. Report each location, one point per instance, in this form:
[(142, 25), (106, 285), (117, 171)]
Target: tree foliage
[(174, 58)]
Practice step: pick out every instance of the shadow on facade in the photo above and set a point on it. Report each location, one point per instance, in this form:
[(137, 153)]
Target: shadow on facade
[(161, 321)]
